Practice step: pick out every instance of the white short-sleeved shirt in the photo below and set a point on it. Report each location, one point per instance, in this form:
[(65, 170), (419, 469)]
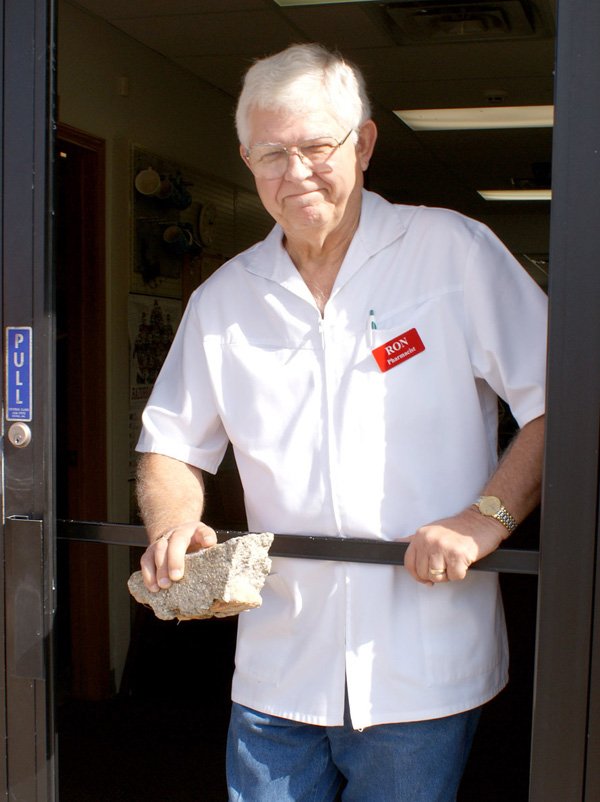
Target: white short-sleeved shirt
[(328, 443)]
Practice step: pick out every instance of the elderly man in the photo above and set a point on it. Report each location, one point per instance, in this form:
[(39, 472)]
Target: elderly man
[(354, 360)]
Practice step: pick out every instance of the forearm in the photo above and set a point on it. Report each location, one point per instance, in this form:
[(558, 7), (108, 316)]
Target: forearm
[(518, 479), (443, 550), (169, 493)]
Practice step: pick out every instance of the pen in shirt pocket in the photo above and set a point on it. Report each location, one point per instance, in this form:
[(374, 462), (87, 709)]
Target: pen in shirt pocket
[(372, 326)]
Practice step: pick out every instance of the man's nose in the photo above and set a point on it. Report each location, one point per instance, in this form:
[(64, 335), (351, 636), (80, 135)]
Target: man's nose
[(297, 165)]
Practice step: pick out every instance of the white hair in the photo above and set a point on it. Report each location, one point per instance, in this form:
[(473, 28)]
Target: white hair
[(300, 79)]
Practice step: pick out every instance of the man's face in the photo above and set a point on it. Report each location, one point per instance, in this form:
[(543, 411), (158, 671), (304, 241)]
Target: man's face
[(304, 201)]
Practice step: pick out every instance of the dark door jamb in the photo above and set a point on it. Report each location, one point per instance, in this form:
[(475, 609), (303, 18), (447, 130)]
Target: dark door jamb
[(566, 724), (27, 767)]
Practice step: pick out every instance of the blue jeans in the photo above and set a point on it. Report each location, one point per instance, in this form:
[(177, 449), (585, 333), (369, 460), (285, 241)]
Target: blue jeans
[(271, 759)]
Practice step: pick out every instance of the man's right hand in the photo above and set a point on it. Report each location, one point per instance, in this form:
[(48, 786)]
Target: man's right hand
[(163, 561)]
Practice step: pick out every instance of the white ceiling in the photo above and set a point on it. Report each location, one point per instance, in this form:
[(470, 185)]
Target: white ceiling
[(414, 53)]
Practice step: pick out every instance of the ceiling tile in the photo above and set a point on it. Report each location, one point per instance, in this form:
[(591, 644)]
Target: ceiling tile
[(339, 27), (124, 9), (205, 34)]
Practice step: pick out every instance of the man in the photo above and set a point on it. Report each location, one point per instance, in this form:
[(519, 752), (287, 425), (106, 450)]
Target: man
[(353, 359)]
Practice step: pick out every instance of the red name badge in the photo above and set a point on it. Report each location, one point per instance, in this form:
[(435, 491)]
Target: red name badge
[(398, 350)]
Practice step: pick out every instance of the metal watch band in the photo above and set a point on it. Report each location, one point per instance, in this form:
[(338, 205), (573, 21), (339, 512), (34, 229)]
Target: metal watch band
[(506, 519)]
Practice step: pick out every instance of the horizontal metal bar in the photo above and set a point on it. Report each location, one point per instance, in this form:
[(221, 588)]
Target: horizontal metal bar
[(108, 534), (312, 547)]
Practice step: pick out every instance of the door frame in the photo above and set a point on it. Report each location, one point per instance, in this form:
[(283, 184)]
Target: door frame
[(27, 768), (566, 717), (568, 653)]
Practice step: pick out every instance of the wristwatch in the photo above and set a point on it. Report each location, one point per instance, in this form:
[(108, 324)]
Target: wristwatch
[(492, 507)]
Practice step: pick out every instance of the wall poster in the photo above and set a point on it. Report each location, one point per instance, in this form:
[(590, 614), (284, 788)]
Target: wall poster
[(152, 325)]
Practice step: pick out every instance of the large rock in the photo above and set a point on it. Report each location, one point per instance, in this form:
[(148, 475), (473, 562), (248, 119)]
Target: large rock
[(223, 580)]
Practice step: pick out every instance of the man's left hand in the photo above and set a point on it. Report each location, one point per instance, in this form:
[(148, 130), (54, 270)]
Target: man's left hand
[(444, 550)]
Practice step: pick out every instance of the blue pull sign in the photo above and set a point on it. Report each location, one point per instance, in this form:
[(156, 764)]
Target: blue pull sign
[(19, 402)]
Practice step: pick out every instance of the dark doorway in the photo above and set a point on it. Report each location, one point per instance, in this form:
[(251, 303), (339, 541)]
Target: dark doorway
[(81, 422)]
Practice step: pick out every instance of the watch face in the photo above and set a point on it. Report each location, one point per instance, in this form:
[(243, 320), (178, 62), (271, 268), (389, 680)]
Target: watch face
[(490, 505)]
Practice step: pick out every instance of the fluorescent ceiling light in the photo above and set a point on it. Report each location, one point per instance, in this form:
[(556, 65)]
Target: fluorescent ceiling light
[(516, 194), (478, 118)]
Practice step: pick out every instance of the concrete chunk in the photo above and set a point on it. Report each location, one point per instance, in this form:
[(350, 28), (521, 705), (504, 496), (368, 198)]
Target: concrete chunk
[(223, 580)]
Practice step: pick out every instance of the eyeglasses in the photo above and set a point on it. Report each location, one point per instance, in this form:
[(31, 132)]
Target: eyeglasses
[(271, 161)]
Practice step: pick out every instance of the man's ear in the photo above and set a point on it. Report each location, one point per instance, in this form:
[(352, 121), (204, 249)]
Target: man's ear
[(367, 136), (244, 156)]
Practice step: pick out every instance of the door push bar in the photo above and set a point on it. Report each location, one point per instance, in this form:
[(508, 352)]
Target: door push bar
[(312, 547)]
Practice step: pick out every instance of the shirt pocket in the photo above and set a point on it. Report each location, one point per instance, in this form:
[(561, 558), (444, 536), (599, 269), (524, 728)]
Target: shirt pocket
[(402, 335)]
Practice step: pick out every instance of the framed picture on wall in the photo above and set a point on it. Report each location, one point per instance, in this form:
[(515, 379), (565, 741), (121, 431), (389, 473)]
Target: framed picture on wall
[(163, 220)]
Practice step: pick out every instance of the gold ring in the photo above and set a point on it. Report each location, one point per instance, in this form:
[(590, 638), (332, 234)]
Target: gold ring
[(437, 571)]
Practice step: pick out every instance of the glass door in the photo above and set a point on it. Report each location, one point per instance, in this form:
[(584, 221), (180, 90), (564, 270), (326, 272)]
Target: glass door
[(114, 710)]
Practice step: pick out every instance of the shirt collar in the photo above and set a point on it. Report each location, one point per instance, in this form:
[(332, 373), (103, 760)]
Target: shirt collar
[(381, 223)]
